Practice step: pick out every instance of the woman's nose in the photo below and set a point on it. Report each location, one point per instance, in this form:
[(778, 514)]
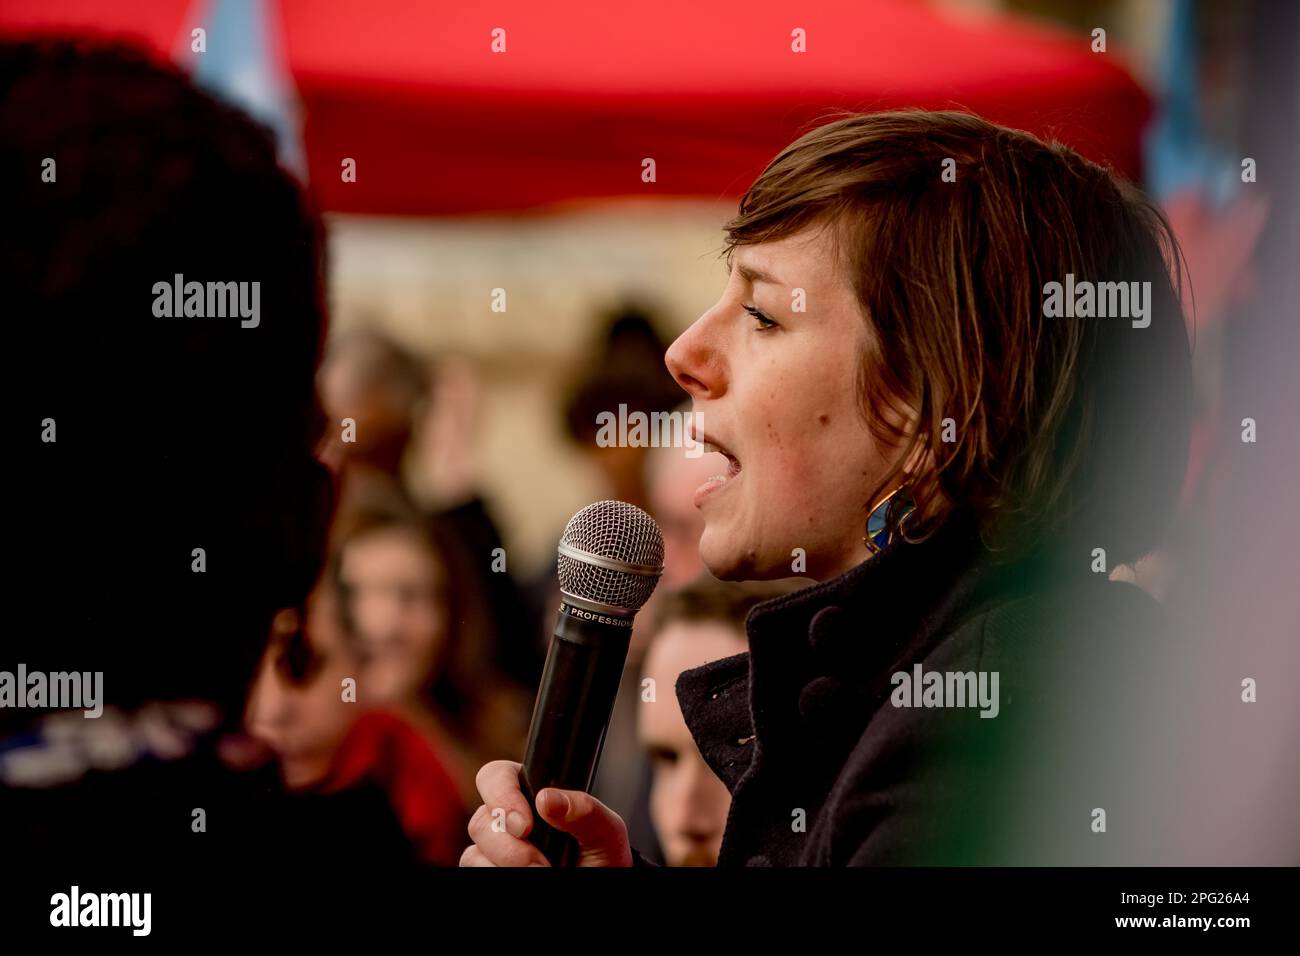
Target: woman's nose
[(694, 361)]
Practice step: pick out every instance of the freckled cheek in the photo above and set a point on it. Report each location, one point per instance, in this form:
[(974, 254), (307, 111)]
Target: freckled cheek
[(791, 471), (840, 453), (797, 440)]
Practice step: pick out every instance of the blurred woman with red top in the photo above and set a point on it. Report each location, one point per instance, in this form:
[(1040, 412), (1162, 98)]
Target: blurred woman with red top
[(308, 704)]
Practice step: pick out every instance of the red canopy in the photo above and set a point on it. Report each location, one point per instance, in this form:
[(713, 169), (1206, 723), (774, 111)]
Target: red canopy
[(438, 123)]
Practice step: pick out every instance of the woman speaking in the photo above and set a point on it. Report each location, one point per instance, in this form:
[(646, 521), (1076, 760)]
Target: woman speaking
[(950, 379)]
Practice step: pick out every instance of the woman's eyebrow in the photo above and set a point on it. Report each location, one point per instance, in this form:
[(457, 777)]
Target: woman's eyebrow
[(753, 275)]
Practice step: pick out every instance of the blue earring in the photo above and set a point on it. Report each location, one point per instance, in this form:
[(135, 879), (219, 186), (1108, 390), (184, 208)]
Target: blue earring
[(897, 502)]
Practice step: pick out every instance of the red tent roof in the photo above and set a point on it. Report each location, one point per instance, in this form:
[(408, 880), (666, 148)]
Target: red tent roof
[(439, 124)]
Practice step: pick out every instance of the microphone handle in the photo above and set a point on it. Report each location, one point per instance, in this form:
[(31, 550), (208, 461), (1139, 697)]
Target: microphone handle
[(584, 667)]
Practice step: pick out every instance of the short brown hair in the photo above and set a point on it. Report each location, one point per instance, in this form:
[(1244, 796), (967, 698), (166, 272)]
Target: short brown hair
[(1062, 425)]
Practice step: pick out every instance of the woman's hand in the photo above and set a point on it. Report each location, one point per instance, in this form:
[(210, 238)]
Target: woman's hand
[(600, 832)]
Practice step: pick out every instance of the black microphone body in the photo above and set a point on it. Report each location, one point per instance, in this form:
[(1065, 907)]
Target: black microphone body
[(610, 559), (575, 701)]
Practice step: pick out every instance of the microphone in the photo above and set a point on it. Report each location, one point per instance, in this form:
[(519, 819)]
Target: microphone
[(610, 558)]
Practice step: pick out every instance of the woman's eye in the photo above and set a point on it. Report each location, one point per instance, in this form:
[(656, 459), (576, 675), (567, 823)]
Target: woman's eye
[(764, 323)]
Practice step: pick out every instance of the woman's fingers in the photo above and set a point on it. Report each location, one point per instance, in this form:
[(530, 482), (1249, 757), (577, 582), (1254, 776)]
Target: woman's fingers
[(498, 785), (497, 846), (473, 856), (600, 832), (499, 826)]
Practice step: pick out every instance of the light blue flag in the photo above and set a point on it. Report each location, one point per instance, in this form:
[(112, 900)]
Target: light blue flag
[(1179, 154), (244, 65)]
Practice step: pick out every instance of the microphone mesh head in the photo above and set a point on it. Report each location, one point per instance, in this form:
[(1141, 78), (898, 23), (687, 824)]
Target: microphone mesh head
[(616, 531)]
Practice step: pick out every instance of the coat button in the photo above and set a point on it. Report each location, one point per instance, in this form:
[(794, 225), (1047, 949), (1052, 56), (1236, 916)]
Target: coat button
[(824, 627), (817, 696)]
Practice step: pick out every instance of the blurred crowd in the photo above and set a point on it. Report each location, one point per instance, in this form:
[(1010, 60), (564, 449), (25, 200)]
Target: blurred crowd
[(418, 656)]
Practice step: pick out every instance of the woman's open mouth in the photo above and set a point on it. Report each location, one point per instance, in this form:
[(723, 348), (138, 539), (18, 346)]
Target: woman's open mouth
[(715, 484)]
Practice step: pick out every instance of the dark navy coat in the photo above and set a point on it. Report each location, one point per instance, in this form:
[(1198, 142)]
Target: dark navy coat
[(827, 768)]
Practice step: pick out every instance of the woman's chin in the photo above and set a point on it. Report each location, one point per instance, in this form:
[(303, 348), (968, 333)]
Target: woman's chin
[(302, 773), (720, 556), (727, 572), (727, 559)]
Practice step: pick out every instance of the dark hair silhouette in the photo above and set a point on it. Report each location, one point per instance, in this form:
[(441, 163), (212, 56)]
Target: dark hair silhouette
[(172, 434)]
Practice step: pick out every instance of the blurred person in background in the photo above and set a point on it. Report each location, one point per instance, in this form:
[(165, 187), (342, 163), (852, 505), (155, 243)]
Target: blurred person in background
[(295, 702), (329, 738), (445, 456), (424, 628), (627, 370), (406, 412), (701, 622), (368, 378)]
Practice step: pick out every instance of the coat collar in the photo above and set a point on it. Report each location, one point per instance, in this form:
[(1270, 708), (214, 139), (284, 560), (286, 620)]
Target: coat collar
[(820, 658)]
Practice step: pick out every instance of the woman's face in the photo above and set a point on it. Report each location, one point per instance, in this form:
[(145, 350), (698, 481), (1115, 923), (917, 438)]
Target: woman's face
[(777, 392), (398, 609), (302, 716)]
